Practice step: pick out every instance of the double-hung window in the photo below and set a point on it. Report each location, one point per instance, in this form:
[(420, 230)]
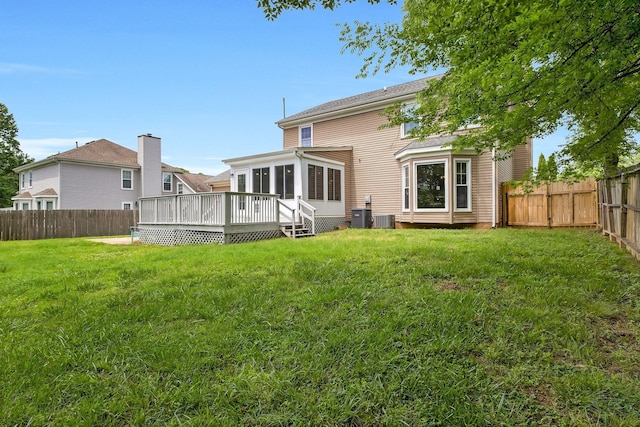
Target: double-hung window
[(315, 185), (462, 185), (306, 136), (127, 179), (284, 181), (334, 184), (405, 128), (30, 179), (406, 195), (431, 185), (261, 180), (166, 181)]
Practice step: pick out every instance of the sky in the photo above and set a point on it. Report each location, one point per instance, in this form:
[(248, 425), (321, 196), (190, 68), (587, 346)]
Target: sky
[(206, 76)]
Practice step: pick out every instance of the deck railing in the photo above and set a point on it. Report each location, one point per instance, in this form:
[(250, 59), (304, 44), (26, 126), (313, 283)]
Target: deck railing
[(216, 209)]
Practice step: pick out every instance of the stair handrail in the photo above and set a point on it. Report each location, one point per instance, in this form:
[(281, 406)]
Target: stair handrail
[(293, 216), (304, 206)]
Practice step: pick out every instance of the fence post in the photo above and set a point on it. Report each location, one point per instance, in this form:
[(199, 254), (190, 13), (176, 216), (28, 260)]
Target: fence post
[(624, 201)]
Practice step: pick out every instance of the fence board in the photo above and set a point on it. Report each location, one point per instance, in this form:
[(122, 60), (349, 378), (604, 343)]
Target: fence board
[(34, 225), (555, 204), (620, 208)]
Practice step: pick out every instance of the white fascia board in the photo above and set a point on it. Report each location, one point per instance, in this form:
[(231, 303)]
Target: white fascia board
[(177, 176), (262, 158)]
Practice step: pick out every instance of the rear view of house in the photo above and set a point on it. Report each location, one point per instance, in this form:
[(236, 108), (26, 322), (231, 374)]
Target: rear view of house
[(337, 158)]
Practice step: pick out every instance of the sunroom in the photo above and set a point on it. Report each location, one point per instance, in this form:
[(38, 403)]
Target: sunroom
[(303, 178)]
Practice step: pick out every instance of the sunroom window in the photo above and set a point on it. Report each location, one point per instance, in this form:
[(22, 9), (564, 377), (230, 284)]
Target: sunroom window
[(315, 182), (284, 181), (334, 184), (261, 180)]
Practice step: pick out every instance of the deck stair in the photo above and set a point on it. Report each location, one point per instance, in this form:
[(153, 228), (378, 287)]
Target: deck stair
[(298, 231)]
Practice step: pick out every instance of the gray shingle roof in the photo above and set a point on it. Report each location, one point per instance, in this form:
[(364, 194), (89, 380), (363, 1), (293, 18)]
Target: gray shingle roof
[(432, 141), (105, 151), (387, 93), (196, 181), (101, 150), (47, 192), (221, 177)]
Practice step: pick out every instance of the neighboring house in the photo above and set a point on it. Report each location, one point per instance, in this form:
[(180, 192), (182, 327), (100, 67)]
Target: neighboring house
[(220, 182), (337, 158), (102, 175), (191, 183)]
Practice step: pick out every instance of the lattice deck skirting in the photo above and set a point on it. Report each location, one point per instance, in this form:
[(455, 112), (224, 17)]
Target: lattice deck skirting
[(328, 223), (167, 236)]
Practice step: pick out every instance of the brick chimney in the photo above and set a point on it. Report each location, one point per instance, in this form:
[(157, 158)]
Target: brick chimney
[(149, 154)]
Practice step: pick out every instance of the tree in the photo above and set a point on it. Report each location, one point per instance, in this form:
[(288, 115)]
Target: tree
[(542, 171), (552, 167), (519, 68), (10, 156)]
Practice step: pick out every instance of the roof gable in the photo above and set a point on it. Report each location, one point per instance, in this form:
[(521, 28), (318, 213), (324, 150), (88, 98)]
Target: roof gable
[(196, 181)]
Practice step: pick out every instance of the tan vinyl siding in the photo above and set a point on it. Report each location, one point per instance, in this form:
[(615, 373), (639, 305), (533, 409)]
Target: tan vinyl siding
[(290, 138), (376, 171), (522, 159), (483, 190)]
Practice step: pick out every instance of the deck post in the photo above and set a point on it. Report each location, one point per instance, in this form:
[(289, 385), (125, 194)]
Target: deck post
[(226, 207)]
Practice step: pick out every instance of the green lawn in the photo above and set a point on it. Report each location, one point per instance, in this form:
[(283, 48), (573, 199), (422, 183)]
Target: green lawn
[(356, 327)]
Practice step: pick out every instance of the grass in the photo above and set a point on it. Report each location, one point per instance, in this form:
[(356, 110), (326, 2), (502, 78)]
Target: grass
[(357, 327)]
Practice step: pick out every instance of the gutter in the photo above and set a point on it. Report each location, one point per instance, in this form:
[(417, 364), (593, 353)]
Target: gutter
[(494, 180)]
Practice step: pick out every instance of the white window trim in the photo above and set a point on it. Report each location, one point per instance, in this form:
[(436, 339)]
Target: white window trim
[(170, 182), (309, 125), (30, 179), (403, 133), (406, 176), (455, 184), (22, 180), (180, 188), (123, 204), (446, 185), (122, 187)]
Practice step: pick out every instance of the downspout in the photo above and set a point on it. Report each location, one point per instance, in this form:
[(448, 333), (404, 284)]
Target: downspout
[(494, 183)]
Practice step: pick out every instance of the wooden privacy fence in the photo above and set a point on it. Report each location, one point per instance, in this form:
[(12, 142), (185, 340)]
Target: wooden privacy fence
[(556, 204), (33, 225), (620, 196)]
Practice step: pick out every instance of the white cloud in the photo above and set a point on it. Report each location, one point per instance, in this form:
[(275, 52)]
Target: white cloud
[(42, 148), (10, 68)]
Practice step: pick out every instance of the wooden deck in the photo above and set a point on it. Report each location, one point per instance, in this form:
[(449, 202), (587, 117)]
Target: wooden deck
[(209, 218)]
